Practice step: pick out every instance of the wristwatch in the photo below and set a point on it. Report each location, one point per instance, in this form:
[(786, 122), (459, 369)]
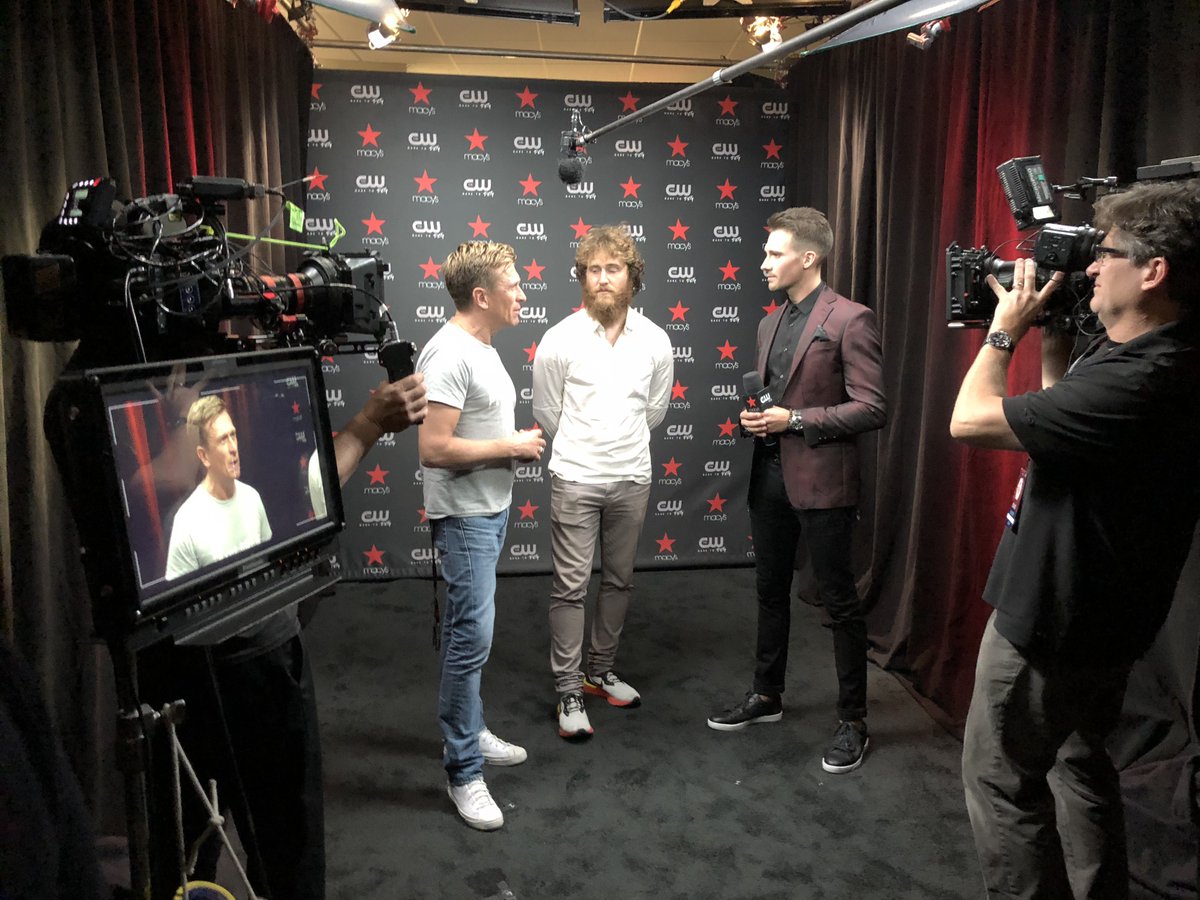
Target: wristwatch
[(1001, 340), (795, 421)]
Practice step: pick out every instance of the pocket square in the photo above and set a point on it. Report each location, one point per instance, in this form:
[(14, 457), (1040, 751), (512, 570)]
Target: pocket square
[(820, 335)]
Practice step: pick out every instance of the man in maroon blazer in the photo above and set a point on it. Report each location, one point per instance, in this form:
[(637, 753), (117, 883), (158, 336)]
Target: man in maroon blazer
[(819, 356)]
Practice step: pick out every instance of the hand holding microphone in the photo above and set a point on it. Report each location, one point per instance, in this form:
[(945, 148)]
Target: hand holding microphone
[(757, 399)]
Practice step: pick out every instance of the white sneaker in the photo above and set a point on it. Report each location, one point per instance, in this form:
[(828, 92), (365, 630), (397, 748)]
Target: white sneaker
[(498, 752), (610, 686), (475, 805), (573, 721)]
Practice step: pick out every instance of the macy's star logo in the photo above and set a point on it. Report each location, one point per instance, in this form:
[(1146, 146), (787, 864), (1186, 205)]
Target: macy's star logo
[(728, 271), (374, 225), (527, 510), (678, 311), (716, 503), (533, 272), (424, 182), (530, 185), (679, 230), (370, 136), (678, 146), (728, 105), (430, 269), (476, 140), (671, 468), (726, 190), (773, 149), (421, 94), (527, 97), (378, 474), (666, 543), (316, 181), (479, 227), (374, 556), (678, 390), (726, 350), (727, 427)]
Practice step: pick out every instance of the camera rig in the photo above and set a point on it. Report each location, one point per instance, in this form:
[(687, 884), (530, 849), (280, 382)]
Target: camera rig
[(1055, 247), (159, 277)]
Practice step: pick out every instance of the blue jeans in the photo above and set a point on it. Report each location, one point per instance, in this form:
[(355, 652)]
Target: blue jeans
[(469, 547)]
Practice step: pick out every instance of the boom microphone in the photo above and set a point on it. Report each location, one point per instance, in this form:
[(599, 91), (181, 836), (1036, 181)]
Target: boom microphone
[(570, 166)]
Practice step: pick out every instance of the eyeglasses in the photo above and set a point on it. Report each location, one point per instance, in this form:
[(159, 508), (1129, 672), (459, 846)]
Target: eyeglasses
[(1102, 253)]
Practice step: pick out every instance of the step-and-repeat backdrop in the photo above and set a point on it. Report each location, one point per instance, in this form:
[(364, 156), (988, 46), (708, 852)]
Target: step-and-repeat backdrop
[(412, 166)]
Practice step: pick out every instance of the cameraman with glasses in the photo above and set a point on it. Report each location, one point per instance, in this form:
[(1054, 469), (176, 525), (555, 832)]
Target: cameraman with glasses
[(1100, 524)]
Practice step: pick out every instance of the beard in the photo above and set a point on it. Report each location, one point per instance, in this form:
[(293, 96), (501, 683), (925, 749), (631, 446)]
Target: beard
[(607, 308)]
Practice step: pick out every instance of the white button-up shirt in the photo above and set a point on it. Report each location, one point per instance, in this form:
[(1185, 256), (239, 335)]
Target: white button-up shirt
[(599, 401)]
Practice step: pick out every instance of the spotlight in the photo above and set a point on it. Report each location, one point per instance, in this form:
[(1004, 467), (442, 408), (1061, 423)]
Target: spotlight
[(928, 33), (765, 32), (388, 29)]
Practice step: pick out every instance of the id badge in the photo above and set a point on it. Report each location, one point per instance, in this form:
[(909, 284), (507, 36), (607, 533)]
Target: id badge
[(1014, 511)]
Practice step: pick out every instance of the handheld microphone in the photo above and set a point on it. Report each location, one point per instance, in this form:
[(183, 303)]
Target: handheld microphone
[(758, 398), (397, 358)]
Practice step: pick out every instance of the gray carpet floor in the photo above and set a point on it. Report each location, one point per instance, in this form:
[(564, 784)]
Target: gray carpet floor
[(657, 804)]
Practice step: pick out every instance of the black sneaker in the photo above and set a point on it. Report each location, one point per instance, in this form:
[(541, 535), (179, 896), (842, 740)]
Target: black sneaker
[(849, 746), (751, 711)]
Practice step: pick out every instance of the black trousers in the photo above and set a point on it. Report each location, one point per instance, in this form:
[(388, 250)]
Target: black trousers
[(274, 752), (777, 527)]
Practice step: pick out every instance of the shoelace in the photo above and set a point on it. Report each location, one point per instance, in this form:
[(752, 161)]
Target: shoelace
[(572, 703), (843, 739), (478, 793), (494, 742)]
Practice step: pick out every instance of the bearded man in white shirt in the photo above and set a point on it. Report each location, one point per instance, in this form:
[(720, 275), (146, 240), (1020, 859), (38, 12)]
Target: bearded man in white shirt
[(601, 381)]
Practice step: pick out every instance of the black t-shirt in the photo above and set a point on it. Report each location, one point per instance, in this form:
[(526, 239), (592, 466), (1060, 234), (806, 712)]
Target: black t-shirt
[(1110, 503)]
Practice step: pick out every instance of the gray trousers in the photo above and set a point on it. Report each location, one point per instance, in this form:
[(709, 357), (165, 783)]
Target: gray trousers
[(1042, 793), (579, 514)]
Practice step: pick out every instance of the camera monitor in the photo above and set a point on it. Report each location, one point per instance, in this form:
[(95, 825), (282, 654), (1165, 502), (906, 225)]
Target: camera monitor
[(205, 491)]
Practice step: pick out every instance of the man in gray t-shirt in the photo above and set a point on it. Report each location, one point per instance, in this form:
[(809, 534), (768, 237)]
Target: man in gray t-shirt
[(467, 445)]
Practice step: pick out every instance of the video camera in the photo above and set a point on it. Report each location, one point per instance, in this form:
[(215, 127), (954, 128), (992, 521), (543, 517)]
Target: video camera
[(1057, 248), (161, 273)]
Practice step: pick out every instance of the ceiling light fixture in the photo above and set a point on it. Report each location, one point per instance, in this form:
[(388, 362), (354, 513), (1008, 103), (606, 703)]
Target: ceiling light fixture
[(765, 32), (386, 30)]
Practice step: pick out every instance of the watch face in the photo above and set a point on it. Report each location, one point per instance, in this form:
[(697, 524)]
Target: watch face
[(1001, 340)]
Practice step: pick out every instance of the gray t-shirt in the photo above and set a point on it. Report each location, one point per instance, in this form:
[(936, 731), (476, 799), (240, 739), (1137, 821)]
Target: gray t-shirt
[(465, 373)]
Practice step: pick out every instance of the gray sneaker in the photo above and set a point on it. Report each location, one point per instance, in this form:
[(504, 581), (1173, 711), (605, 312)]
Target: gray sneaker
[(573, 724), (612, 688)]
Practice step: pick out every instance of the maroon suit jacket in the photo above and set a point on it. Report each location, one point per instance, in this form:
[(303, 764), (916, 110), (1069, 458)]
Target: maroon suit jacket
[(836, 381)]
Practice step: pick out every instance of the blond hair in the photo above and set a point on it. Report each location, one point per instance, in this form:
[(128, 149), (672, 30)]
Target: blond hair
[(475, 264)]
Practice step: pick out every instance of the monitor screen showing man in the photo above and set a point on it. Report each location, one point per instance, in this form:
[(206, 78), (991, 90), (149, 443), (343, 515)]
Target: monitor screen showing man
[(223, 515)]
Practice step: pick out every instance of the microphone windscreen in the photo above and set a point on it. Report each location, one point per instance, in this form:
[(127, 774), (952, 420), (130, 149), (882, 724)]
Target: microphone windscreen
[(570, 170), (752, 383)]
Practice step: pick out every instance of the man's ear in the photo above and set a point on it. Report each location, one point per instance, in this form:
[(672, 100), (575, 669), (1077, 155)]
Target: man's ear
[(479, 297), (202, 455), (1155, 273)]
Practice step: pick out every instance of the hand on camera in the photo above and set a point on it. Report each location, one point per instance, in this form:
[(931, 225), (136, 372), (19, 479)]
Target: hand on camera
[(394, 405), (528, 445), (1018, 307)]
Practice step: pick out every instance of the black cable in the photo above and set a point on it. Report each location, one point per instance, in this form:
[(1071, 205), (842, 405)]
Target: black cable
[(631, 16)]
